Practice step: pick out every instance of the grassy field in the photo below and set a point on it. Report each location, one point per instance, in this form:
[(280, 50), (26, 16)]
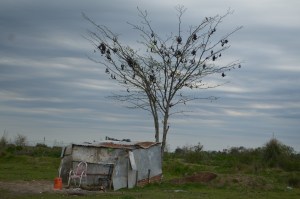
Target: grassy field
[(28, 168), (237, 177)]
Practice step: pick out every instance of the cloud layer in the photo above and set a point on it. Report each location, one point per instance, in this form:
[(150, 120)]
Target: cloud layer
[(49, 88)]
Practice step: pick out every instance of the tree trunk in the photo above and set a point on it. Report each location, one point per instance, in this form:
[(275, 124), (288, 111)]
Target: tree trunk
[(156, 125), (153, 107), (165, 132)]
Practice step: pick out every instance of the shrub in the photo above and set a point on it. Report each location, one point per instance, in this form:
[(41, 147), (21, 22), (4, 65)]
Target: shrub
[(3, 142), (47, 151), (20, 140), (294, 181), (191, 154), (276, 154), (193, 157), (41, 145), (11, 148)]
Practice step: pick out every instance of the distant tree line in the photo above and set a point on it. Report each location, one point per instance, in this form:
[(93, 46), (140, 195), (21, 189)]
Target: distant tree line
[(273, 154), (19, 146)]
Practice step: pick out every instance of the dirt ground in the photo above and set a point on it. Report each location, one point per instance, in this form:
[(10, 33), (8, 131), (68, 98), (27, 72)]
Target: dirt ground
[(35, 186), (46, 186), (39, 187)]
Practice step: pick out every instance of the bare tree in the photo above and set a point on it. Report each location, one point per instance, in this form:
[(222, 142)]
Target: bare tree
[(20, 140), (158, 76)]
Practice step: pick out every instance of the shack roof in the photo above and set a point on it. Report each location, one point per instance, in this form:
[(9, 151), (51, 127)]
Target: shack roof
[(119, 144)]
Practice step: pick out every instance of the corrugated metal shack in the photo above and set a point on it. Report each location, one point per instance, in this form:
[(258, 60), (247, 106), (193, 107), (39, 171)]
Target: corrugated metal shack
[(135, 163)]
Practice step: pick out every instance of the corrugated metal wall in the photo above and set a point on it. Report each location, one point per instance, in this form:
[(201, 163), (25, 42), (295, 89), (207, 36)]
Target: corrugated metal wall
[(148, 159), (147, 163)]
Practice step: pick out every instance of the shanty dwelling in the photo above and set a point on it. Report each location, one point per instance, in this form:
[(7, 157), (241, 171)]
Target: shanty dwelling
[(130, 163)]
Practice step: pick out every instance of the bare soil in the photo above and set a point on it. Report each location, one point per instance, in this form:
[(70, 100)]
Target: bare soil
[(35, 186), (40, 187), (46, 186)]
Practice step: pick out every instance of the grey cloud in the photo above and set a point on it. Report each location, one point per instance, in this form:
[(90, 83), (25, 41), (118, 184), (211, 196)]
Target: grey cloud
[(48, 86)]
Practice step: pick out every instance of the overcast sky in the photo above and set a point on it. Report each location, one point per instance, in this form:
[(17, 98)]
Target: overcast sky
[(50, 89)]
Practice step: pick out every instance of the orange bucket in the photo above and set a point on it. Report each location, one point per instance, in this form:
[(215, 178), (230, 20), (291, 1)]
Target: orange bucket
[(58, 183)]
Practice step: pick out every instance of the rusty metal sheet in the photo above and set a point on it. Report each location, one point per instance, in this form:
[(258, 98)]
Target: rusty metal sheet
[(146, 145), (120, 144)]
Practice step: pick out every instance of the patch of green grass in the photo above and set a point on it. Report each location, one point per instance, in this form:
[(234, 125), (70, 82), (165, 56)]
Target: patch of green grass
[(174, 168), (28, 168)]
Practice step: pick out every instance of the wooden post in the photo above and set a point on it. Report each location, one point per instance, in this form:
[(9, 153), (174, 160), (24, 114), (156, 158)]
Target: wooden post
[(136, 177), (127, 172), (149, 170)]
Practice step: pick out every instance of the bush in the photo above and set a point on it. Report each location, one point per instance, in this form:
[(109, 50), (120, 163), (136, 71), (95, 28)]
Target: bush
[(11, 148), (276, 154), (273, 154), (41, 145), (20, 140), (191, 154), (290, 163), (193, 157), (3, 142), (294, 181), (42, 151)]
